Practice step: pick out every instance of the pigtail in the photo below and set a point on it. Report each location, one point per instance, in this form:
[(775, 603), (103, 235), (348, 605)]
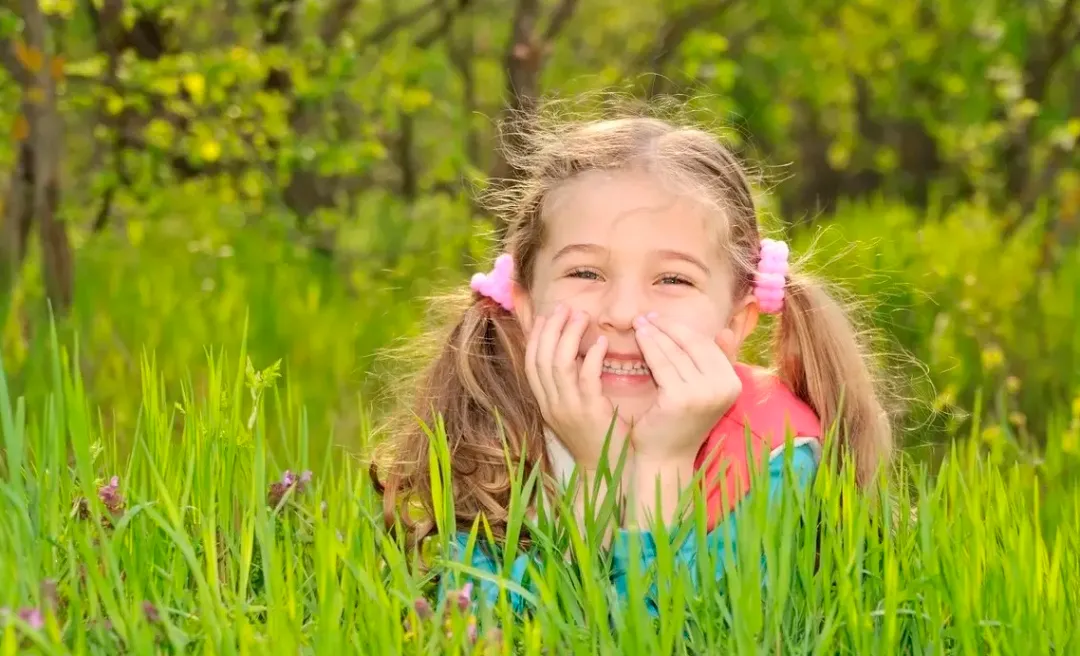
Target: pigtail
[(822, 357), (476, 385)]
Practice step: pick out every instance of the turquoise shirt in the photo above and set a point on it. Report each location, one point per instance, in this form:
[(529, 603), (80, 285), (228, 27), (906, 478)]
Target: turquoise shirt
[(803, 467)]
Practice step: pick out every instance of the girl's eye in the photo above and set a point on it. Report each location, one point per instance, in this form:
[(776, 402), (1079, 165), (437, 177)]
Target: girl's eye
[(675, 280), (585, 274)]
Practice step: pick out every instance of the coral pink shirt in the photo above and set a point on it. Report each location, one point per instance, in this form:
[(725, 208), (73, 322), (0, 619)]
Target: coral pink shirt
[(769, 409)]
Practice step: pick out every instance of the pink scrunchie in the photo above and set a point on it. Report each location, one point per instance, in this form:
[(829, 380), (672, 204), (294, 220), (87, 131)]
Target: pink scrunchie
[(771, 276), (497, 284)]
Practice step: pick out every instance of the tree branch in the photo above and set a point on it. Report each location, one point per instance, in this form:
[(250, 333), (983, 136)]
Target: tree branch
[(392, 25), (672, 35), (461, 51), (429, 38), (1040, 69), (406, 162), (336, 20), (559, 18)]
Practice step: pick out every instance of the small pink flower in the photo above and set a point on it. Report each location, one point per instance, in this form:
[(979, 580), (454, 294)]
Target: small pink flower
[(288, 481), (464, 599), (423, 608), (30, 615), (111, 497)]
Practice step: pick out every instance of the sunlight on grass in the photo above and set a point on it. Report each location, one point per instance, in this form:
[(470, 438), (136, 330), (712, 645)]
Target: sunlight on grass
[(205, 542)]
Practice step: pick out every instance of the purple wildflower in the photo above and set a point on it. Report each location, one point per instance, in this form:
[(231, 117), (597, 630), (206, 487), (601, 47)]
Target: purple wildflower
[(465, 596), (288, 481), (111, 497), (423, 608), (151, 612), (461, 598), (33, 617)]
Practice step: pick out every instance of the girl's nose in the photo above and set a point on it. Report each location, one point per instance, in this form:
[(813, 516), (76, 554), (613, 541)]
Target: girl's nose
[(619, 306)]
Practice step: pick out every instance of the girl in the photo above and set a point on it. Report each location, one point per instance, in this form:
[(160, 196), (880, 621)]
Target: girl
[(634, 270)]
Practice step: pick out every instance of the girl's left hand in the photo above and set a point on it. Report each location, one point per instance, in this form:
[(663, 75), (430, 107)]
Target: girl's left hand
[(696, 383)]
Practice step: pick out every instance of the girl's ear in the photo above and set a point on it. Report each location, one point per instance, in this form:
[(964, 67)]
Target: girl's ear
[(523, 311), (744, 318)]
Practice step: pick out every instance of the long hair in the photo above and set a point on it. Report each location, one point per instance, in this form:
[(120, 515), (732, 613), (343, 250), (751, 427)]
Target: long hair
[(476, 380)]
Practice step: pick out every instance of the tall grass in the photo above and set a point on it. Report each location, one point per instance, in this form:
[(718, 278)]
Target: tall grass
[(205, 544)]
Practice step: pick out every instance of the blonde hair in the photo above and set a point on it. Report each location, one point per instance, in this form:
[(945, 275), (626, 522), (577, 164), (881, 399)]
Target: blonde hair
[(476, 382)]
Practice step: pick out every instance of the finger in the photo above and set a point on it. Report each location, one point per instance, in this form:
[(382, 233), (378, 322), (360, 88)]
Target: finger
[(706, 354), (663, 369), (680, 359), (589, 376), (566, 353), (532, 373), (545, 353)]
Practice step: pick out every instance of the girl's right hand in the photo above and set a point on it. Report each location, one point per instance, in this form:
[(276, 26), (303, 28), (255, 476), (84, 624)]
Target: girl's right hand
[(569, 394)]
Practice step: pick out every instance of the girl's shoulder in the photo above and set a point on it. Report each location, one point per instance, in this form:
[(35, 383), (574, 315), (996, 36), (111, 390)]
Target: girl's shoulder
[(766, 411), (768, 407)]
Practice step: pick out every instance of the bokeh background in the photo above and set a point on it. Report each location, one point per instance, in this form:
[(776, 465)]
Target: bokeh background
[(301, 173)]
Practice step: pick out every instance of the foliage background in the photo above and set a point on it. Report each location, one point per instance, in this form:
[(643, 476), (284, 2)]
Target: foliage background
[(305, 168), (186, 185)]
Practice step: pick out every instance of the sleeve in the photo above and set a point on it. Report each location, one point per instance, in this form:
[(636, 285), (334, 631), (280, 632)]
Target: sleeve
[(487, 572), (803, 467)]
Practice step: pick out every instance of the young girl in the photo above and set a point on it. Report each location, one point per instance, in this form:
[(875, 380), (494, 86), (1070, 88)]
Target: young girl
[(634, 269)]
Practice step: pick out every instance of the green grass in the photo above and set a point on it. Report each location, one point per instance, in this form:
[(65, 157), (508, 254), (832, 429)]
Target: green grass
[(194, 557)]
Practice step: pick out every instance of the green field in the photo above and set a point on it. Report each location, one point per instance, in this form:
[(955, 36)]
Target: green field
[(212, 277)]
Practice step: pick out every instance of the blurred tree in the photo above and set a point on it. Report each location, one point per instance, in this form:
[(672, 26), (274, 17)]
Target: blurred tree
[(344, 122), (33, 195)]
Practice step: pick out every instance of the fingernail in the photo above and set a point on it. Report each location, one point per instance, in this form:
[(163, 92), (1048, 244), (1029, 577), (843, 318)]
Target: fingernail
[(640, 321), (652, 315)]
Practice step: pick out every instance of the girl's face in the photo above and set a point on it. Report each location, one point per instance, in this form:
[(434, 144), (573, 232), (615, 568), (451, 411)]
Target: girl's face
[(619, 245)]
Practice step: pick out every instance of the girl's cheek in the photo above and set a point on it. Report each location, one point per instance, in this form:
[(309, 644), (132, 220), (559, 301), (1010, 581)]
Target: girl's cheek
[(705, 318)]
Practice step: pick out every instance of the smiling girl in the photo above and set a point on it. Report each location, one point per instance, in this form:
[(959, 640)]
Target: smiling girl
[(634, 270)]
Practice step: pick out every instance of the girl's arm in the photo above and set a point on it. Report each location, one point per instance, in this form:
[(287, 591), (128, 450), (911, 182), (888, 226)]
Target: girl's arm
[(803, 467)]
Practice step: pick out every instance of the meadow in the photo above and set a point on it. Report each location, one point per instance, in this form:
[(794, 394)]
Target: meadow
[(212, 277), (226, 529)]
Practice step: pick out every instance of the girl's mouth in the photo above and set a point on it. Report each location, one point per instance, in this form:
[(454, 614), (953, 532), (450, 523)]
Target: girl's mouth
[(620, 367)]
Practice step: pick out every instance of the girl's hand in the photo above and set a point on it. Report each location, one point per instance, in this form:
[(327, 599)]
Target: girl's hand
[(570, 395), (696, 384)]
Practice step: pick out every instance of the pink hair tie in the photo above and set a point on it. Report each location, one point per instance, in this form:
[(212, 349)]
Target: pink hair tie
[(771, 276), (496, 285)]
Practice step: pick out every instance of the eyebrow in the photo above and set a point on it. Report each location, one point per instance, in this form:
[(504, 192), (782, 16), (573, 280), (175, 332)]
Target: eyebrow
[(664, 253), (578, 248), (685, 257)]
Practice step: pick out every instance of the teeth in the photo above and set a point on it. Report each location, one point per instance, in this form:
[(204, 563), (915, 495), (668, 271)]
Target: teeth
[(626, 367)]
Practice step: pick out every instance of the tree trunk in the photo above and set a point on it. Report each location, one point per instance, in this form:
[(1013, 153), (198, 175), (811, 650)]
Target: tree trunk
[(34, 192), (17, 221), (46, 141)]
